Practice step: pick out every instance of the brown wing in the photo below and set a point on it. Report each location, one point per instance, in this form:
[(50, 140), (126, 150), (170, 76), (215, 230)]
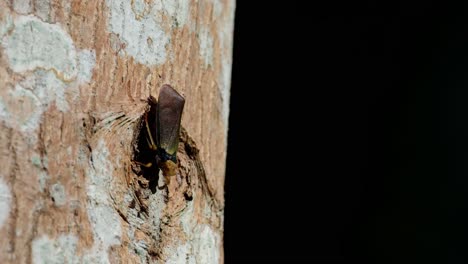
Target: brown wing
[(168, 117)]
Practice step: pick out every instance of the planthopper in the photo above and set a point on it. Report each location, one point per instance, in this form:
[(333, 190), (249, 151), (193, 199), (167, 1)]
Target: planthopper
[(163, 126)]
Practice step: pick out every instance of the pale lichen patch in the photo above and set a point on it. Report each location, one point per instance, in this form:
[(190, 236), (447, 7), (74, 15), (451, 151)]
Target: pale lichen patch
[(206, 46), (140, 244), (134, 29), (43, 9), (104, 219), (218, 7), (156, 205), (225, 41), (225, 88), (140, 247), (21, 110), (36, 160), (178, 10), (187, 220), (86, 63), (207, 212), (202, 246), (22, 106), (23, 6), (5, 202), (49, 51), (57, 192), (206, 245), (48, 88), (106, 224), (35, 44), (55, 251), (181, 254)]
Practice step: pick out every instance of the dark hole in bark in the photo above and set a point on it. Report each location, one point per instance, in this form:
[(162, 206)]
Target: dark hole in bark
[(144, 154), (188, 196)]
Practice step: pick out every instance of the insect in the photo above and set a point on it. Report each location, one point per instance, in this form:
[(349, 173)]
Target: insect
[(163, 130)]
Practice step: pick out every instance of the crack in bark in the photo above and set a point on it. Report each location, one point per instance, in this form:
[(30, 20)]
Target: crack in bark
[(14, 198), (193, 152), (36, 215)]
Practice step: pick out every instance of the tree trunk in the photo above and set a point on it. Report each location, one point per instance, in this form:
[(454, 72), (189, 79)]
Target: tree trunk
[(75, 77)]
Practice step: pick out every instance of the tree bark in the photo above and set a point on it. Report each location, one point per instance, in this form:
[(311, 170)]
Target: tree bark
[(75, 77)]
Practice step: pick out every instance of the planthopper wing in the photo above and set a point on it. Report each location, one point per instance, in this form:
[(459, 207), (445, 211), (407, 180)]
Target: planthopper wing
[(168, 117)]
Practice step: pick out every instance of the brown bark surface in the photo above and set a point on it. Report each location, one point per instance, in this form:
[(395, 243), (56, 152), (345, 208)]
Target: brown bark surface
[(74, 81)]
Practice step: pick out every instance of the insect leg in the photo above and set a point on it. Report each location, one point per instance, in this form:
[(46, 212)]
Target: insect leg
[(151, 144), (146, 165)]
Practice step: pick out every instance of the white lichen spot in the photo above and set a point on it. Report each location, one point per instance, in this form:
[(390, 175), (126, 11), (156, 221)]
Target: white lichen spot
[(206, 245), (87, 61), (202, 246), (178, 10), (48, 89), (57, 191), (22, 6), (35, 44), (203, 242), (104, 219), (21, 109), (69, 150), (217, 7), (95, 257), (225, 88), (47, 50), (225, 34), (36, 160), (141, 248), (187, 221), (134, 31), (43, 9), (206, 46), (137, 222), (207, 212), (55, 251), (5, 202), (206, 43), (182, 254), (156, 207), (106, 224)]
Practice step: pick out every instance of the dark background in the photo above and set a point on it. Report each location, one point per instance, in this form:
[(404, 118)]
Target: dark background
[(348, 133)]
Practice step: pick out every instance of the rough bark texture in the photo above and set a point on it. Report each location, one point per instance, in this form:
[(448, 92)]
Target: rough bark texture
[(74, 81)]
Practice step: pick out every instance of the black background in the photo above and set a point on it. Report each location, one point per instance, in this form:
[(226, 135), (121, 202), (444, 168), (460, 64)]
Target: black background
[(348, 133)]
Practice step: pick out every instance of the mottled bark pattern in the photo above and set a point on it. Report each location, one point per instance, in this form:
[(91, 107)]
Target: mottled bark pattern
[(75, 77)]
